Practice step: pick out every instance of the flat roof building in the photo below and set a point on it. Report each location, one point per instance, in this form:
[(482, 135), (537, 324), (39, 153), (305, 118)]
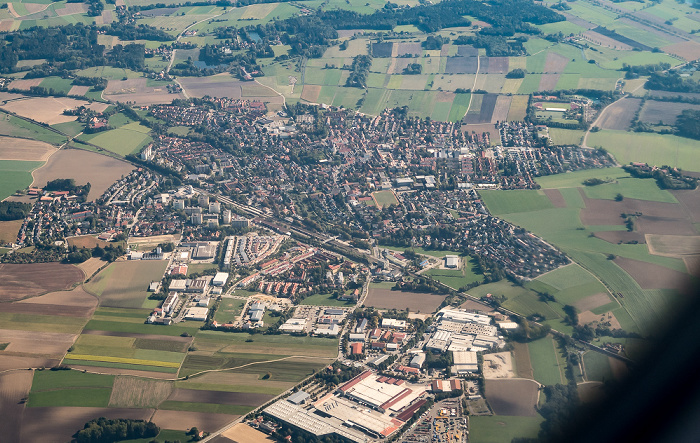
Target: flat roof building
[(220, 279)]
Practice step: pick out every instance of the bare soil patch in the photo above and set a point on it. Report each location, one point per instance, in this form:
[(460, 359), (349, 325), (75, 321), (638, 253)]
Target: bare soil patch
[(657, 217), (136, 91), (521, 357), (555, 63), (665, 225), (132, 392), (619, 115), (79, 90), (14, 386), (20, 362), (48, 309), (476, 306), (184, 420), (512, 397), (416, 302), (692, 264), (548, 82), (409, 48), (25, 84), (310, 93), (555, 197), (616, 237), (90, 266), (100, 170), (49, 110), (242, 433), (587, 317), (651, 276), (591, 392), (40, 343), (222, 398), (63, 422), (592, 301), (76, 297), (23, 149), (86, 241), (500, 112), (28, 280), (482, 128), (654, 111), (498, 65), (690, 200), (498, 365)]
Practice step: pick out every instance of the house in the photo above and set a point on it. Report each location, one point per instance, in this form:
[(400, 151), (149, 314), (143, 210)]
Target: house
[(356, 348)]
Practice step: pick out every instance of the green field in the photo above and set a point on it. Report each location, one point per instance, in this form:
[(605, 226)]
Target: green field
[(457, 278), (506, 202), (385, 198), (565, 136), (127, 139), (543, 356), (69, 388), (41, 323), (15, 175), (58, 84), (597, 366), (324, 300), (501, 428), (48, 380), (229, 309), (655, 149), (124, 284)]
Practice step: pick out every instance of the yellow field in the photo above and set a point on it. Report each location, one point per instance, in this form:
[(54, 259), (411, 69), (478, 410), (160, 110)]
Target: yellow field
[(132, 361)]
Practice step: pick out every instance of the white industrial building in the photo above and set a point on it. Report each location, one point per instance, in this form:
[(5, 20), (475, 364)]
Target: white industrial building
[(178, 285), (220, 279), (451, 261), (294, 325), (465, 362), (462, 316), (392, 323), (417, 361), (197, 314)]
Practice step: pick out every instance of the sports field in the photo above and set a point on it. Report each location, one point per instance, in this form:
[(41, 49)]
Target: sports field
[(384, 198)]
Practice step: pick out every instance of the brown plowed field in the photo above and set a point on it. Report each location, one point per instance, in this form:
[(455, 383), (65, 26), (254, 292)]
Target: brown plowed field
[(310, 93), (135, 90), (22, 149), (587, 317), (388, 299), (555, 63), (476, 306), (46, 309), (500, 112), (184, 420), (101, 171), (607, 212), (619, 115), (555, 197), (616, 237), (654, 111), (592, 301), (498, 65), (548, 82), (689, 50), (49, 110), (665, 225), (57, 425), (619, 368), (692, 264), (27, 280), (221, 398), (651, 276), (690, 200), (408, 48), (40, 343), (76, 297), (512, 397), (16, 362), (14, 386), (135, 335)]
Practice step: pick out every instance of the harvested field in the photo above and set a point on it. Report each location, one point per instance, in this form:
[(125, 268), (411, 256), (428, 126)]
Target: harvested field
[(16, 362), (592, 302), (512, 397), (91, 265), (548, 82), (467, 51), (14, 386), (125, 372), (40, 343), (132, 392), (616, 237), (218, 397), (26, 84), (518, 108), (86, 241), (310, 93), (591, 392), (24, 149), (555, 63), (28, 280), (481, 128), (619, 115), (587, 317), (555, 197), (397, 65), (9, 231), (382, 49), (651, 276), (136, 91), (176, 339), (76, 297), (416, 302), (619, 368), (498, 65), (242, 433), (403, 49), (607, 212), (654, 112), (65, 421), (49, 110), (48, 309), (488, 104), (692, 264), (521, 357), (125, 284), (461, 65), (101, 171), (500, 112), (689, 50), (184, 420), (79, 90), (498, 365)]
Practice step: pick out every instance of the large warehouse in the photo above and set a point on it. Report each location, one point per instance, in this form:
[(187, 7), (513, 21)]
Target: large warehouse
[(378, 392)]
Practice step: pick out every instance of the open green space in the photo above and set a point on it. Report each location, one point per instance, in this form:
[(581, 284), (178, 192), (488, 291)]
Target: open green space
[(127, 139), (655, 149), (15, 175), (229, 309), (86, 397), (597, 366), (502, 428), (124, 284), (456, 278), (324, 300), (41, 323), (506, 202), (165, 435), (565, 136), (17, 127), (574, 179), (544, 361), (385, 198), (70, 128), (248, 388)]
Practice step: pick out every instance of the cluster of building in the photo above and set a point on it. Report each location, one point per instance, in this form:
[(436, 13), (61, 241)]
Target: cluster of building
[(320, 321)]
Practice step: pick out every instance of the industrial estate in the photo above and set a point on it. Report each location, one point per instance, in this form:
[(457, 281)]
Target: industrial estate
[(425, 221)]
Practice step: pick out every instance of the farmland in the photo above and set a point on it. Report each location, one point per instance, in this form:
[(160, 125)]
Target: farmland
[(500, 428), (544, 362), (16, 127), (69, 388), (27, 280), (505, 202), (416, 302), (124, 284), (125, 140), (24, 149), (16, 175), (512, 397), (324, 300)]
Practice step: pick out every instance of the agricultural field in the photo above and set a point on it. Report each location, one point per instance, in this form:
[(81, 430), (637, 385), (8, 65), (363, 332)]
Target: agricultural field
[(49, 110), (512, 397), (24, 149), (500, 428), (666, 113), (125, 140), (69, 388), (28, 280), (505, 202), (125, 284), (457, 278), (382, 298), (545, 366), (16, 175), (17, 127), (99, 170)]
